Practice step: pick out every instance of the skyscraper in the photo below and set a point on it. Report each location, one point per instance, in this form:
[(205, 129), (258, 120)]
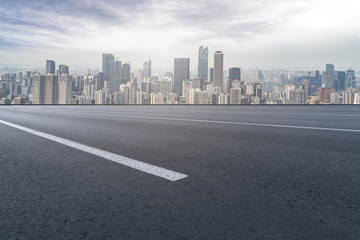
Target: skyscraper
[(115, 76), (45, 89), (325, 95), (218, 70), (181, 73), (349, 96), (125, 73), (106, 63), (50, 67), (313, 77), (38, 89), (51, 89), (259, 76), (298, 96), (259, 91), (234, 73), (65, 89), (235, 96), (203, 63), (100, 81), (350, 79), (211, 75), (63, 69), (340, 80), (140, 76), (147, 69), (328, 76)]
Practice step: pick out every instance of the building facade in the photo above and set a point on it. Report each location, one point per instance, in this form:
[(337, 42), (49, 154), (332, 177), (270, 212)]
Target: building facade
[(50, 67), (203, 63), (218, 70), (181, 73)]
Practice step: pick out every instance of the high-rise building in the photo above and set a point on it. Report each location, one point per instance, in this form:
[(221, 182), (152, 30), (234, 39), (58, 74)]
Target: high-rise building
[(198, 97), (259, 76), (126, 92), (106, 64), (218, 70), (298, 96), (236, 84), (45, 89), (125, 73), (314, 78), (38, 89), (155, 86), (203, 63), (198, 83), (187, 85), (357, 99), (119, 98), (335, 99), (223, 98), (115, 76), (147, 69), (259, 91), (89, 85), (132, 95), (143, 98), (325, 95), (234, 74), (349, 96), (181, 73), (63, 69), (166, 86), (235, 96), (157, 98), (51, 89), (100, 81), (50, 67), (145, 87), (340, 80), (249, 88), (100, 97), (350, 79), (140, 76), (328, 76), (65, 89), (211, 75)]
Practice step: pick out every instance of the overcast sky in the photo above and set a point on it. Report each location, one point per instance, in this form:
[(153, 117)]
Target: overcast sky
[(251, 33)]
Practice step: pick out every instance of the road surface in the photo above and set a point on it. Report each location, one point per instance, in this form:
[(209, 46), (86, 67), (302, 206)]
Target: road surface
[(179, 172)]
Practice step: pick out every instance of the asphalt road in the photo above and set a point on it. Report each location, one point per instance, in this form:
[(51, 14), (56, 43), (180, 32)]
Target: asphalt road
[(284, 172)]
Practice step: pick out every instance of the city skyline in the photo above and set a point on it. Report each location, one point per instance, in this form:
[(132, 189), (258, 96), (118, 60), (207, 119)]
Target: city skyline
[(119, 85), (261, 34)]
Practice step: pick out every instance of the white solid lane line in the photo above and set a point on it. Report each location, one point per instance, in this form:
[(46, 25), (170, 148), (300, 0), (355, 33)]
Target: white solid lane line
[(132, 163), (212, 121)]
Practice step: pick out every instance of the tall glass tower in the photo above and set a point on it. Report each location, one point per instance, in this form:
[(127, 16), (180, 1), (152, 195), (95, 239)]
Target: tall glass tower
[(50, 67), (203, 63), (125, 73), (147, 69), (218, 70), (181, 73), (106, 63), (115, 76), (63, 69), (328, 76), (234, 74)]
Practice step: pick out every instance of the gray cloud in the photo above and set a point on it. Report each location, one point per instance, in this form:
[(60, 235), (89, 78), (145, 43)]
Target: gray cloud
[(167, 29)]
